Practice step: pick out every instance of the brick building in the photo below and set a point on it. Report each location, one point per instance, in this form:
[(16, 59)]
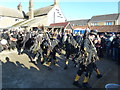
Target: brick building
[(102, 23)]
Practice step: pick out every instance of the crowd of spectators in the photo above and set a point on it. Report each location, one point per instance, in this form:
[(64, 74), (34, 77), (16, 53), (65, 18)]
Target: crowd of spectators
[(109, 46)]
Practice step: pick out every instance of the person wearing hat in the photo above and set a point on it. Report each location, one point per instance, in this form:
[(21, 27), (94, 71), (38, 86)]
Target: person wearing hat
[(87, 65)]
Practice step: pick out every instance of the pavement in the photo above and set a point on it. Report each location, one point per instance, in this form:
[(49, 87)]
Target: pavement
[(18, 72)]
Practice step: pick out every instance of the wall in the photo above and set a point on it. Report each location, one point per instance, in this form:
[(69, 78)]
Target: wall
[(104, 28), (101, 23), (118, 20), (8, 21), (56, 15)]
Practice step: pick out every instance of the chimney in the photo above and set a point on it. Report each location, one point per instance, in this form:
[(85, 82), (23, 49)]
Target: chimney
[(19, 7), (31, 12), (56, 2)]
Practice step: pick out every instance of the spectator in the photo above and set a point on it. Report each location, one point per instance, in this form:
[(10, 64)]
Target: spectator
[(108, 45), (103, 47)]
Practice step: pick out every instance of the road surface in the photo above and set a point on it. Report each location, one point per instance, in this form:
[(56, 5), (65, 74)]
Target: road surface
[(18, 72)]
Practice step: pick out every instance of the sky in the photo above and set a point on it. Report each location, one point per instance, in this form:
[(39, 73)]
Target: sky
[(72, 9)]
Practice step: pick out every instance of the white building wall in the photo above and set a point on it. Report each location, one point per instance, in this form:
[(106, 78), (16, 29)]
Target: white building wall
[(118, 21), (8, 21), (56, 15)]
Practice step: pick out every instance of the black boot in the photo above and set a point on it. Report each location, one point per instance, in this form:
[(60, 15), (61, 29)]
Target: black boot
[(76, 83), (86, 85), (34, 62), (19, 53), (99, 76), (42, 62), (49, 68), (66, 66)]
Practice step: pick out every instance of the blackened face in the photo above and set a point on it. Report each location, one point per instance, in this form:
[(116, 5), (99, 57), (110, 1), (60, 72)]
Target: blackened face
[(92, 37)]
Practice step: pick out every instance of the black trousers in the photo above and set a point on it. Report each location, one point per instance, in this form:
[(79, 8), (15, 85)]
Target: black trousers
[(88, 69), (52, 56)]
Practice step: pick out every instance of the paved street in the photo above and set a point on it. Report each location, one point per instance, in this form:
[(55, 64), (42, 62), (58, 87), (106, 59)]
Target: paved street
[(19, 73)]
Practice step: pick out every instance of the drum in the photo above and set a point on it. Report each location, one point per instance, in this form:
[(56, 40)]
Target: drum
[(3, 42)]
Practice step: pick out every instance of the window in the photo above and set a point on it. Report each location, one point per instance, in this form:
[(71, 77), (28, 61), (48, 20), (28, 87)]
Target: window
[(57, 9), (109, 23), (16, 19), (94, 24)]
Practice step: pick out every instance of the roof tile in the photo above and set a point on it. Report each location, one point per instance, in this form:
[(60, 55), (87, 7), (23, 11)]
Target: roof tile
[(108, 17), (60, 24), (9, 12), (42, 11)]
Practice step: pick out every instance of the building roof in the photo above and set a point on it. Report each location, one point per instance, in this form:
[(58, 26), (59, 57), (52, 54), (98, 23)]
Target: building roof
[(19, 23), (30, 23), (9, 12), (108, 17), (42, 11), (34, 22), (62, 24), (79, 22)]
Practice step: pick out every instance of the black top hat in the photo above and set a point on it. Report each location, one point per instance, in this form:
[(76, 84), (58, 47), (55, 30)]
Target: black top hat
[(93, 32)]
